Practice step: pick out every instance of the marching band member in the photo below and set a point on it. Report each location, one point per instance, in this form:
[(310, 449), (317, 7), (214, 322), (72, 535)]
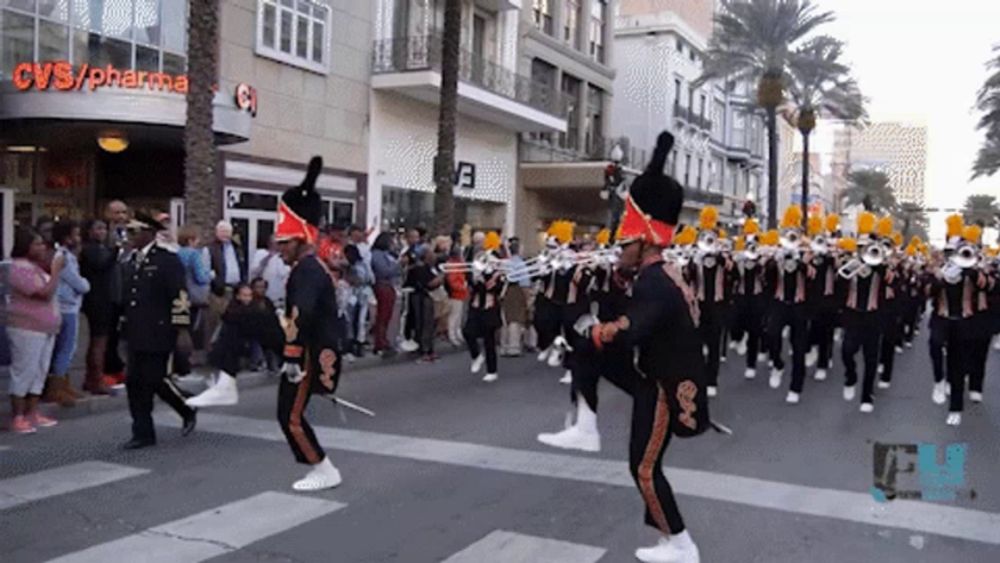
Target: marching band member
[(750, 301), (787, 271), (912, 275), (547, 320), (821, 291), (312, 329), (892, 310), (864, 275), (709, 274), (660, 323), (485, 296)]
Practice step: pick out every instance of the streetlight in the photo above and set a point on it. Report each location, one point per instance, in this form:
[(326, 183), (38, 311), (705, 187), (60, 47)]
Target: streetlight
[(613, 191)]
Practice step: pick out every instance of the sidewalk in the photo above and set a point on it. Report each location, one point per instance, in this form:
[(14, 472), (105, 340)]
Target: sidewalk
[(95, 404)]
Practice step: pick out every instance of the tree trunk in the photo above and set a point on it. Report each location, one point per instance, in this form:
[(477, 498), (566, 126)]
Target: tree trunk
[(805, 178), (772, 167), (200, 155), (444, 162)]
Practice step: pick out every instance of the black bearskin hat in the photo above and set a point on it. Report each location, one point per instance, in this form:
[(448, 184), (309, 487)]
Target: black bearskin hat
[(301, 209)]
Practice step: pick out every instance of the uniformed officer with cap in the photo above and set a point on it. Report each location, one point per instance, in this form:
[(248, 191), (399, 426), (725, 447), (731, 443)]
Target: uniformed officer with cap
[(156, 304)]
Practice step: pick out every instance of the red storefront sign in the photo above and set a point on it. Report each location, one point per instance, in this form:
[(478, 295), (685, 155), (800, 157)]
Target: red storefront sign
[(62, 76), (246, 98)]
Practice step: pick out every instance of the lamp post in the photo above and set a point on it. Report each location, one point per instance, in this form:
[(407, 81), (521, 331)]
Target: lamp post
[(613, 190)]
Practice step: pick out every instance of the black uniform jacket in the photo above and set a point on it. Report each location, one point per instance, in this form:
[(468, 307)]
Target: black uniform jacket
[(156, 301)]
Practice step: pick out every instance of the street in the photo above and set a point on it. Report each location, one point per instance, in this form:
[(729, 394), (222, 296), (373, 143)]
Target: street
[(449, 470)]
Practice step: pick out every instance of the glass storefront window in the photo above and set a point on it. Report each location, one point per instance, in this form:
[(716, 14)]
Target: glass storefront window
[(294, 32), (141, 34)]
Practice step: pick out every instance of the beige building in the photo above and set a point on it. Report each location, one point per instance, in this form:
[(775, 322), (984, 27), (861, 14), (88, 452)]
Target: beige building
[(898, 149)]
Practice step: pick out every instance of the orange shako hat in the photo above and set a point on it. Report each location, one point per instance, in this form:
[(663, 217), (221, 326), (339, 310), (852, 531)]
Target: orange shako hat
[(301, 208), (654, 202)]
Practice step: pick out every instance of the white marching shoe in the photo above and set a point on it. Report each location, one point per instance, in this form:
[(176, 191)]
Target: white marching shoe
[(409, 346), (581, 436), (867, 407), (820, 375), (567, 378), (223, 393), (812, 357), (544, 354), (792, 398), (849, 391), (884, 384), (741, 348), (750, 373), (975, 396), (322, 476), (954, 419), (477, 364), (713, 391), (490, 377), (762, 356), (679, 548), (776, 375), (938, 395)]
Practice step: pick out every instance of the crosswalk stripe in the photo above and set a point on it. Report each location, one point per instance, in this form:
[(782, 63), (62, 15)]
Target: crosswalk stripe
[(208, 534), (508, 547), (61, 480), (950, 521)]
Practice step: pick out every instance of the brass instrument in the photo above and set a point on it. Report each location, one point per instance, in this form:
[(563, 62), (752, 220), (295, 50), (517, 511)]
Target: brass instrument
[(854, 268)]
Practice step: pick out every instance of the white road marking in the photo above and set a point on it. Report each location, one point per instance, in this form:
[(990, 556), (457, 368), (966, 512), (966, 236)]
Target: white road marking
[(212, 533), (62, 480), (915, 516), (508, 547)]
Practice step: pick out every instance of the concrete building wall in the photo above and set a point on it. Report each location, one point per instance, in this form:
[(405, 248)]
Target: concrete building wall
[(696, 13)]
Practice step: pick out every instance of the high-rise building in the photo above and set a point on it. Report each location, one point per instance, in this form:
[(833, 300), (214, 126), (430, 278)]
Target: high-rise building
[(898, 149)]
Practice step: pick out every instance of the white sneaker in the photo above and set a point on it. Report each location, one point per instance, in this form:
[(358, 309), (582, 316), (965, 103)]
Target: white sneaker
[(838, 335), (975, 396), (811, 358), (409, 346), (555, 358), (849, 392), (544, 354), (490, 377), (938, 395), (820, 375), (899, 349), (723, 359), (573, 438), (732, 344), (792, 398), (477, 364), (947, 389), (679, 548), (567, 378), (776, 375), (954, 419), (909, 345), (996, 344), (881, 369), (322, 476), (741, 348), (750, 373), (762, 357), (867, 407), (712, 391), (884, 384), (223, 393)]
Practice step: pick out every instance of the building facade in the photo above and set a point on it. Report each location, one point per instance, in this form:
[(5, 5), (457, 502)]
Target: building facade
[(496, 103), (720, 137), (92, 106), (898, 149), (567, 46)]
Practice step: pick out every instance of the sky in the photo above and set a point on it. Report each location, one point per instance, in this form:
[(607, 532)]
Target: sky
[(923, 61)]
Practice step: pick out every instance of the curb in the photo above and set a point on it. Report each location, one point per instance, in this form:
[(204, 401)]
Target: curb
[(96, 404)]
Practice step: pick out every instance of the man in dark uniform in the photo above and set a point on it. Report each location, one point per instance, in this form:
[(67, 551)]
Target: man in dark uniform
[(660, 324), (155, 305), (312, 329)]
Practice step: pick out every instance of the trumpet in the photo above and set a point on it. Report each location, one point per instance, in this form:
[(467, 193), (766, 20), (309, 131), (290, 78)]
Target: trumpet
[(820, 245), (967, 256), (792, 239), (854, 268), (483, 263), (874, 254), (708, 242)]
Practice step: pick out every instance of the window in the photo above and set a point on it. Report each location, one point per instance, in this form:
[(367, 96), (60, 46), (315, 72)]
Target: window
[(680, 45), (687, 170), (691, 98), (595, 121), (597, 30), (571, 23), (571, 93), (542, 15), (701, 164), (677, 91), (295, 32), (701, 108), (149, 35)]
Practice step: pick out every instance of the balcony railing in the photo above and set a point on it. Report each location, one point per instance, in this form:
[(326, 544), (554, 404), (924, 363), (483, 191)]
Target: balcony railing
[(548, 148), (703, 196), (688, 115), (423, 52)]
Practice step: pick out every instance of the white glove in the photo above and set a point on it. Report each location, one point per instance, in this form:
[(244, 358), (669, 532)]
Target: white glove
[(584, 324), (562, 344), (293, 372)]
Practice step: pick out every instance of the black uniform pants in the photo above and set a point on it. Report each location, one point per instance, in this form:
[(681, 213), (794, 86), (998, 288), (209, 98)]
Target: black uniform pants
[(979, 351), (862, 334), (821, 327), (112, 360), (546, 321), (293, 398), (228, 350), (481, 324), (614, 363), (891, 337), (749, 321), (647, 444), (710, 330), (938, 336), (147, 376), (794, 317)]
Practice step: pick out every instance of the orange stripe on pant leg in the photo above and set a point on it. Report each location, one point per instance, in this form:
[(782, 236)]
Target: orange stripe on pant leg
[(295, 422), (661, 424)]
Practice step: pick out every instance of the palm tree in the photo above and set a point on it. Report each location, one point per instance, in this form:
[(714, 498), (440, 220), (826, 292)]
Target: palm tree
[(914, 220), (988, 160), (753, 42), (981, 209), (871, 189), (821, 86), (200, 154), (444, 162)]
